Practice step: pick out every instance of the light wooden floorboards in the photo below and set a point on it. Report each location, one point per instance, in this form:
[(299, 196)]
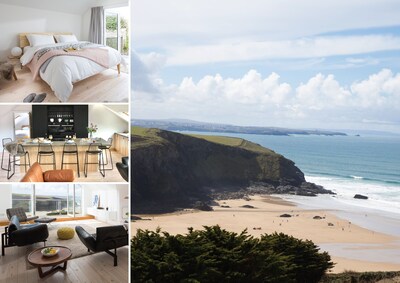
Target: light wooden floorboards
[(94, 268), (111, 175), (107, 86)]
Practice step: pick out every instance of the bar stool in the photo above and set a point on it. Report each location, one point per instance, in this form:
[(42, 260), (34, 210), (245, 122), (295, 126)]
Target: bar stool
[(46, 149), (106, 147), (4, 142), (16, 150), (70, 148), (94, 150)]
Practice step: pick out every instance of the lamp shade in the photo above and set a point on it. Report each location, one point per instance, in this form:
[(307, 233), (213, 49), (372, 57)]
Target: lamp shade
[(16, 51)]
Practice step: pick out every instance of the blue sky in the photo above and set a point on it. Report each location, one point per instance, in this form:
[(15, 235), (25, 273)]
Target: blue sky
[(301, 64)]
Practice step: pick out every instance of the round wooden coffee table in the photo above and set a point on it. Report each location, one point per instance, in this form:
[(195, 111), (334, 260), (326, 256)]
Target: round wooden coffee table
[(37, 259)]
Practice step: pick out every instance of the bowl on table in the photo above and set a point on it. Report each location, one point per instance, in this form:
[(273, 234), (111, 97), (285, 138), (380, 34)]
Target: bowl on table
[(49, 251)]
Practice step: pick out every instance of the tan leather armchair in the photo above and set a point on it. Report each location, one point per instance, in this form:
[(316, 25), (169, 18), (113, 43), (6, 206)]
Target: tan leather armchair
[(35, 174)]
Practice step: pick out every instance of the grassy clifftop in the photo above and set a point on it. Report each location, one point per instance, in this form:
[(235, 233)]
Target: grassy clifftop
[(178, 169)]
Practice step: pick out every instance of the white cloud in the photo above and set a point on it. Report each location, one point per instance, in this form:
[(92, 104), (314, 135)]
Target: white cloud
[(379, 90), (162, 23), (322, 92), (145, 73), (254, 99), (299, 48)]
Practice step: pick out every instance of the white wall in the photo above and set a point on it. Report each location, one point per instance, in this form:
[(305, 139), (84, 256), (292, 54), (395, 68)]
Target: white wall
[(111, 196), (85, 25), (5, 199), (17, 19), (107, 122)]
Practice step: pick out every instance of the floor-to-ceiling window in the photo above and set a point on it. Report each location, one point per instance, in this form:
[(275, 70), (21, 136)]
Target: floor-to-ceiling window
[(51, 200), (23, 196), (75, 200), (117, 29), (44, 200)]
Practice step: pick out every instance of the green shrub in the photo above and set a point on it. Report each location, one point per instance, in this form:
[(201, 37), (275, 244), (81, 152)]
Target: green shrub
[(216, 255)]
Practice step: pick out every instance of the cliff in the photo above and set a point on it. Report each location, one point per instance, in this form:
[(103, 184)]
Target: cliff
[(172, 170)]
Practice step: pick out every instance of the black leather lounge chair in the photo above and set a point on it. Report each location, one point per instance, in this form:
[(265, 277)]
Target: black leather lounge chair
[(20, 213), (106, 239), (123, 168), (22, 235)]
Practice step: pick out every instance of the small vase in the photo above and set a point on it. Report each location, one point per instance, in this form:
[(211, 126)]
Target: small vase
[(90, 134)]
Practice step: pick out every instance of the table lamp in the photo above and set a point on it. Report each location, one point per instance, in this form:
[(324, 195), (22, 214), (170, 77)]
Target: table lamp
[(16, 51)]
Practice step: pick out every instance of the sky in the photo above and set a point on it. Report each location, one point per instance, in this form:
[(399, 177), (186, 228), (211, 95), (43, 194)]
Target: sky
[(283, 63)]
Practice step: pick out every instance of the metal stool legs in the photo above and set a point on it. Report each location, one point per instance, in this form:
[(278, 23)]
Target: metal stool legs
[(39, 158), (100, 163), (4, 142), (2, 158), (111, 161), (14, 164), (73, 152)]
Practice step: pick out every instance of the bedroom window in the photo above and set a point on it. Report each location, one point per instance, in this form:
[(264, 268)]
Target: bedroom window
[(117, 29)]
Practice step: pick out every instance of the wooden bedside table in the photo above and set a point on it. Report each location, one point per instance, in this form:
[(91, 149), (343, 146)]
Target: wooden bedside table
[(15, 62)]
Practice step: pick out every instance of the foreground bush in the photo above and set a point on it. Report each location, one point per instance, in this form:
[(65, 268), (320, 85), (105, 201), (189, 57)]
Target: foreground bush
[(216, 255)]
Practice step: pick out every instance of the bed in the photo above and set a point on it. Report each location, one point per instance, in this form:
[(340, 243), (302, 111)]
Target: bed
[(62, 64)]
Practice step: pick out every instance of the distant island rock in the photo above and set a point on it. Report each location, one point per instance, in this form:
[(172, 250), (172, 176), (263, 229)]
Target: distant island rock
[(194, 126), (171, 171)]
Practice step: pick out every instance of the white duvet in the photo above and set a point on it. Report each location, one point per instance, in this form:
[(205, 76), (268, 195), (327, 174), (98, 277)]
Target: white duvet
[(63, 71)]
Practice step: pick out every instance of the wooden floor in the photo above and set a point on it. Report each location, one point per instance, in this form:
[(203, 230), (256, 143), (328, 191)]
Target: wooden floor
[(111, 175), (95, 268), (107, 86)]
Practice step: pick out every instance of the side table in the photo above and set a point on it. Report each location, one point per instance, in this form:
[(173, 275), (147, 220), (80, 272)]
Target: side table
[(37, 259), (15, 62)]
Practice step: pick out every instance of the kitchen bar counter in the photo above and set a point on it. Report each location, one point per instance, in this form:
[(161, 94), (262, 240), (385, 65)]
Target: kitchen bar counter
[(82, 144), (121, 143)]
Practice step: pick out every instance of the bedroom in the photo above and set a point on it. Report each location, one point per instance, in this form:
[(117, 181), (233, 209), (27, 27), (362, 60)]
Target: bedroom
[(64, 51)]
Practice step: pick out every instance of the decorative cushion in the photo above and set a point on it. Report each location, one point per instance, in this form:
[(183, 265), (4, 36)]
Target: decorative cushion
[(65, 38), (40, 39), (14, 224), (65, 233)]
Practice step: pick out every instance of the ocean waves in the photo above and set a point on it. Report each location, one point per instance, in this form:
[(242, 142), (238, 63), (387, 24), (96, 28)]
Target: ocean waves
[(390, 178), (381, 195)]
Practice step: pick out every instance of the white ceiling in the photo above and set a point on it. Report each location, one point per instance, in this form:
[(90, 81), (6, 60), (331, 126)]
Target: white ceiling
[(66, 6)]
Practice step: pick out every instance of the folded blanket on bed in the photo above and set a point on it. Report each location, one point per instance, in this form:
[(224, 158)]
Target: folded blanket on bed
[(87, 50)]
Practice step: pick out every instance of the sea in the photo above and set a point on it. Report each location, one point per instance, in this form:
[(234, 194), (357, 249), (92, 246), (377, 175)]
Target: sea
[(347, 165)]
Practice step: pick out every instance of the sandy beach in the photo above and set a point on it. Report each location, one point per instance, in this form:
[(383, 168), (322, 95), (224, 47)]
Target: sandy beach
[(352, 247)]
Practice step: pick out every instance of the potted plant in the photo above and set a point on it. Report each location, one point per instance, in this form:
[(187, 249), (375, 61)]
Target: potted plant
[(92, 129)]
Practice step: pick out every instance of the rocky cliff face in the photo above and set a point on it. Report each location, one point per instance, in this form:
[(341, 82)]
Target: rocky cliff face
[(171, 170)]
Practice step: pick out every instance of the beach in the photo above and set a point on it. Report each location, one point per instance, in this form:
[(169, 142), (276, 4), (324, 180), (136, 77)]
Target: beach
[(351, 246)]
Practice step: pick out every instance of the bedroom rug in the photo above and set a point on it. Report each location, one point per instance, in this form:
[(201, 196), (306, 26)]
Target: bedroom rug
[(35, 98), (75, 245)]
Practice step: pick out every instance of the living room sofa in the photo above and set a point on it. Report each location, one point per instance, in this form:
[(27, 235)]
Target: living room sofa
[(35, 174)]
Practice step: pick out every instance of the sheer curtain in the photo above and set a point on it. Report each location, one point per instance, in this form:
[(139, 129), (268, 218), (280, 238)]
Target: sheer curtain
[(96, 31)]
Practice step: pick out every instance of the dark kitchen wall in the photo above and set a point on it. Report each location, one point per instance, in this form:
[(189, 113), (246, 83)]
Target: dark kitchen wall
[(40, 119)]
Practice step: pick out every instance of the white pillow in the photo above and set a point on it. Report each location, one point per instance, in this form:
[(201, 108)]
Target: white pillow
[(40, 39), (61, 38)]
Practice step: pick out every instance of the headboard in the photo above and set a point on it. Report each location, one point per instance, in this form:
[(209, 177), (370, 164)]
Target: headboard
[(23, 40)]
